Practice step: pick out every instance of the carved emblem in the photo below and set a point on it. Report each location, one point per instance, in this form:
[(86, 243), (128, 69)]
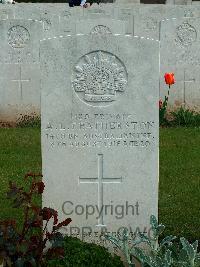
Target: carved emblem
[(98, 77), (18, 37), (100, 30), (186, 34)]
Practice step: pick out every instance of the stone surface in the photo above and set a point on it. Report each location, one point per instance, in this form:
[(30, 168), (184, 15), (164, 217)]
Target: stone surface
[(100, 131), (180, 54), (147, 19), (178, 2), (100, 26), (19, 63), (50, 21), (125, 13), (6, 12)]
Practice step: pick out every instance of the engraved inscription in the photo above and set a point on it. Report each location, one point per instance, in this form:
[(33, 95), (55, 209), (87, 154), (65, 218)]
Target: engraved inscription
[(101, 130), (100, 29), (21, 56), (186, 34), (99, 77), (18, 37)]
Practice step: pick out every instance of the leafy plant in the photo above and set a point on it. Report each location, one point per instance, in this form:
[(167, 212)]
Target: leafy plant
[(25, 247), (153, 253), (123, 245), (31, 120), (187, 256), (163, 111), (156, 254), (185, 117), (82, 254)]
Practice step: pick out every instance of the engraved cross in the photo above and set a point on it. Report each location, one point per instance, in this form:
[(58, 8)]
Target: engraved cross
[(100, 180), (20, 82)]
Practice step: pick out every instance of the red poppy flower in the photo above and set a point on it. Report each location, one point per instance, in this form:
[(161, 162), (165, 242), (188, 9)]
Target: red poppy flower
[(169, 78)]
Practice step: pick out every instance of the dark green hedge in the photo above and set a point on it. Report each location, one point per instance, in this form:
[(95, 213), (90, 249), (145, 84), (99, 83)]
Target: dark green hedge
[(81, 254)]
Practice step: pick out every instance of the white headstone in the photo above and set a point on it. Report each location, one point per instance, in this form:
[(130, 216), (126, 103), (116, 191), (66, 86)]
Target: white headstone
[(100, 131), (180, 54), (147, 17), (20, 70)]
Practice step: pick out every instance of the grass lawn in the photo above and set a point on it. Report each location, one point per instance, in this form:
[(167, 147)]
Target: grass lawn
[(179, 195), (20, 153)]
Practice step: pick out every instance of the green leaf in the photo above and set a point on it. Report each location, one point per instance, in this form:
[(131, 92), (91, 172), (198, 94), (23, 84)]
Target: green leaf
[(167, 240), (140, 255), (188, 248), (168, 259), (195, 245), (183, 257), (114, 240), (160, 228), (153, 222), (197, 259)]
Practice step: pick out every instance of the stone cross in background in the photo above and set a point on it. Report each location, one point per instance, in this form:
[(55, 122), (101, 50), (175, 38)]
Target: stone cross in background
[(20, 82)]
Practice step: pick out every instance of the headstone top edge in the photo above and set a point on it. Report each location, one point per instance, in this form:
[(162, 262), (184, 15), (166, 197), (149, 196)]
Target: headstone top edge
[(113, 35), (20, 20), (181, 18)]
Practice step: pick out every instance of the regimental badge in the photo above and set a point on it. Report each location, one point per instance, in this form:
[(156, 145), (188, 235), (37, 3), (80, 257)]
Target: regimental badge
[(99, 77), (186, 34), (18, 36)]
